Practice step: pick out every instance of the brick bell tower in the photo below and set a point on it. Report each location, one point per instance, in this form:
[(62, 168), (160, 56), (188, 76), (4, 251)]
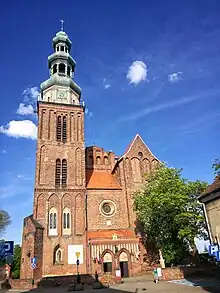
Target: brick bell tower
[(55, 233)]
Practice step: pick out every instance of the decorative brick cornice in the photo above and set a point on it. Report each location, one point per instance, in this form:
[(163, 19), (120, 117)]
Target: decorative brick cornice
[(59, 190)]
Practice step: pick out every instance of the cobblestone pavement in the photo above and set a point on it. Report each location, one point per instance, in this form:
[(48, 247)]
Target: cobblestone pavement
[(140, 286)]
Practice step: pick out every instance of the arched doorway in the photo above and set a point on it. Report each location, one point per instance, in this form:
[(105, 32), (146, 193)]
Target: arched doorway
[(107, 263), (123, 263)]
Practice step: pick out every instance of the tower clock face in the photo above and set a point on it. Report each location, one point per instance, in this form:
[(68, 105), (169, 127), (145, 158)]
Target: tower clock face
[(61, 95)]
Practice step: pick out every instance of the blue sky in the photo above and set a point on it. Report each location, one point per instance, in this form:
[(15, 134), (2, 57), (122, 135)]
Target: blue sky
[(145, 67)]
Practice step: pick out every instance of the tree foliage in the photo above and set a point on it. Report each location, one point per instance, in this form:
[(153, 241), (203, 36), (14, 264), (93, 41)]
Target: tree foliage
[(15, 269), (169, 212), (216, 167), (5, 220)]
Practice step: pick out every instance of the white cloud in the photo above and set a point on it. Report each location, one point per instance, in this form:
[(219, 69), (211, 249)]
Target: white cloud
[(25, 110), (167, 105), (22, 128), (23, 177), (106, 85), (30, 95), (3, 151), (175, 77), (137, 72), (88, 113)]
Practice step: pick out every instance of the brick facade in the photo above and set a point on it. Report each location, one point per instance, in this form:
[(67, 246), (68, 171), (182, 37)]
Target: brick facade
[(211, 201), (103, 179), (83, 196)]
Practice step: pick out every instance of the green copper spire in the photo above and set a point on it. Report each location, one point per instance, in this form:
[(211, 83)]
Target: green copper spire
[(61, 64)]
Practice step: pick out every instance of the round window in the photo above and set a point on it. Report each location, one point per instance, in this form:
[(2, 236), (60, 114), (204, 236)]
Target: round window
[(107, 208)]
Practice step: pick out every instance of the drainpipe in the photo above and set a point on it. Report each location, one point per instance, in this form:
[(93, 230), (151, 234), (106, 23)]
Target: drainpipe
[(207, 223), (86, 230)]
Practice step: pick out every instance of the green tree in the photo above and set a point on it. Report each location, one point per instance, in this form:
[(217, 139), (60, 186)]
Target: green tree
[(15, 269), (4, 221), (169, 214), (216, 167)]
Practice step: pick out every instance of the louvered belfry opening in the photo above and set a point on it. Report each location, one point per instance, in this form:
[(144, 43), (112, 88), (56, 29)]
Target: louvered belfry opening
[(64, 173), (64, 136), (59, 128), (58, 172)]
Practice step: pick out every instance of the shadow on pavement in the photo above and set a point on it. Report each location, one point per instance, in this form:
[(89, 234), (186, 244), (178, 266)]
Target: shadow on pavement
[(208, 280)]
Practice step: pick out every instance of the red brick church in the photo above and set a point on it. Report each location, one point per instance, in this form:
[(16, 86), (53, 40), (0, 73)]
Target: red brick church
[(83, 195)]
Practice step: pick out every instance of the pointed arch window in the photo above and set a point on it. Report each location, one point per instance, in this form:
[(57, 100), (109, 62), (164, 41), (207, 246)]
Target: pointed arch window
[(58, 172), (66, 221), (98, 160), (53, 222), (64, 129), (90, 160), (106, 162), (61, 173), (64, 172), (59, 128)]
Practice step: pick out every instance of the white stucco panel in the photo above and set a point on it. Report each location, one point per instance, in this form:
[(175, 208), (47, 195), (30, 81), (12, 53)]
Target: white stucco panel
[(72, 254)]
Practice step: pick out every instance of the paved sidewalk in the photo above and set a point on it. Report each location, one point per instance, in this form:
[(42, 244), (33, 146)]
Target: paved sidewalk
[(138, 286), (161, 287)]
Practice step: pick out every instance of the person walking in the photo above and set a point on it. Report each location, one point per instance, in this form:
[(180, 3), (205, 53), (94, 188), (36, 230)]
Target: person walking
[(155, 273)]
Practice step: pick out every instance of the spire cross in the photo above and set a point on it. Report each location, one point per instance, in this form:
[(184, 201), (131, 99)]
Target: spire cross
[(61, 22)]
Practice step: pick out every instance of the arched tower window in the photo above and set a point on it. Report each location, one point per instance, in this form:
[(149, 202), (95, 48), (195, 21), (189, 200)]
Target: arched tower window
[(62, 67), (53, 221), (106, 162), (98, 160), (57, 172), (64, 172), (64, 129), (90, 161), (68, 70), (55, 68), (59, 128)]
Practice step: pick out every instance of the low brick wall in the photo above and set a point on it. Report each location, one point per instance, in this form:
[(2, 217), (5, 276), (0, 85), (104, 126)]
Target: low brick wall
[(22, 283), (109, 279), (172, 274), (178, 273), (62, 280)]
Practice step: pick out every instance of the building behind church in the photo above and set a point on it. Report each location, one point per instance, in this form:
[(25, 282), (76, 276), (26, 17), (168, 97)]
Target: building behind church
[(83, 195)]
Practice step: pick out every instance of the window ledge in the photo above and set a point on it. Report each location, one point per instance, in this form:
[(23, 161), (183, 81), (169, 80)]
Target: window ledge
[(61, 263), (67, 235)]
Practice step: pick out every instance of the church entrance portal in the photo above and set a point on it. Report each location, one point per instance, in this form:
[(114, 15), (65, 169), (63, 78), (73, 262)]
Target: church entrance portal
[(107, 263), (123, 261)]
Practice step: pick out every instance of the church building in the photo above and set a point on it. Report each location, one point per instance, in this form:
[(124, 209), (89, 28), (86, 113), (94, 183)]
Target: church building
[(82, 210)]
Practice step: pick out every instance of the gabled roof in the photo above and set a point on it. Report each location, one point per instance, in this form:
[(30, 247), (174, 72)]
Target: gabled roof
[(101, 180), (137, 136), (212, 188), (35, 222)]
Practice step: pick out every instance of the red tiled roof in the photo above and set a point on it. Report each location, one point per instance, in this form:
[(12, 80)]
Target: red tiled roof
[(212, 187), (101, 180)]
